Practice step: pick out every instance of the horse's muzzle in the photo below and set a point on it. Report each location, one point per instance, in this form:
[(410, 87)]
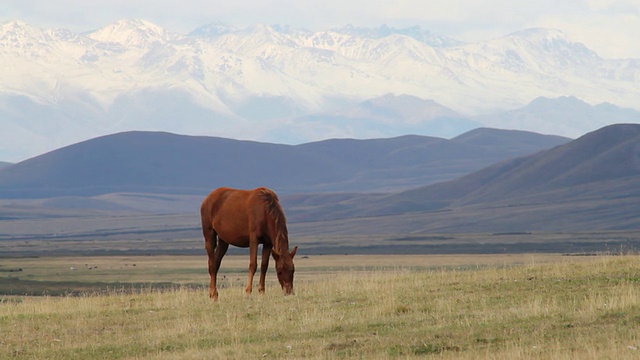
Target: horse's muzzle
[(288, 290)]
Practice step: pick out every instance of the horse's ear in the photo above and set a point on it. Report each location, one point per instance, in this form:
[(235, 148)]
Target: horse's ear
[(275, 255), (293, 252)]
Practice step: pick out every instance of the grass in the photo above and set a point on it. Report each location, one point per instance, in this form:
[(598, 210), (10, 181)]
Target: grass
[(70, 275), (563, 308)]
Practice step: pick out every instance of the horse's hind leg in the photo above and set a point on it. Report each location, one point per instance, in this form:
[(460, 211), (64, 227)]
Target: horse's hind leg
[(210, 239), (220, 251), (253, 263), (215, 251)]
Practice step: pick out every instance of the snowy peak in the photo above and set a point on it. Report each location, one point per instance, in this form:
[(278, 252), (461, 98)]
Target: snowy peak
[(536, 53), (17, 29), (539, 35), (266, 34), (18, 34), (415, 32), (212, 30), (134, 33), (551, 41), (258, 40)]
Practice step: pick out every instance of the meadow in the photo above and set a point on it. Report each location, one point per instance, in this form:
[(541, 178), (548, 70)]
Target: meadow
[(363, 307)]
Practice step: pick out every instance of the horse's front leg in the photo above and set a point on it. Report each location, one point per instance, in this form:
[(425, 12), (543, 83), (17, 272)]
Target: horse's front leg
[(253, 265), (266, 253)]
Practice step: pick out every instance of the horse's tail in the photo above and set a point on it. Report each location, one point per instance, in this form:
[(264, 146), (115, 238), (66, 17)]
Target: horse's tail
[(272, 204), (269, 196)]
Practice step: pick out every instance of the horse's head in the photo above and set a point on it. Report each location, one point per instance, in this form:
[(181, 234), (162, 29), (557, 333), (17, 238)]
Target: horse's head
[(285, 269)]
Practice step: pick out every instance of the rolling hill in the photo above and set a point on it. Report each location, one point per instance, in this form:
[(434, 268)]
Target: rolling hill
[(592, 183), (164, 163), (581, 196)]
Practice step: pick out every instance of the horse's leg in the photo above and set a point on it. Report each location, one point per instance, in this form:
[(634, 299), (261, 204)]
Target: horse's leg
[(221, 250), (266, 253), (210, 239), (253, 263)]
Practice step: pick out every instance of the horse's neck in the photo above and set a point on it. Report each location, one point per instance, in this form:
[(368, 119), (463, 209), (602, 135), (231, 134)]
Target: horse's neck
[(277, 226), (280, 242)]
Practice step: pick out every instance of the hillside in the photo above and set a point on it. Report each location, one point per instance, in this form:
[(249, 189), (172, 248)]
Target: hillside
[(591, 183), (594, 163), (151, 162)]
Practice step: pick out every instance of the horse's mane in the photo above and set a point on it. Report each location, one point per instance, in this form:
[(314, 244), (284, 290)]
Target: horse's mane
[(277, 214)]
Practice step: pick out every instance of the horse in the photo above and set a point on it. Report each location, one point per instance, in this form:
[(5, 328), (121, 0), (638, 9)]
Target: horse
[(246, 218)]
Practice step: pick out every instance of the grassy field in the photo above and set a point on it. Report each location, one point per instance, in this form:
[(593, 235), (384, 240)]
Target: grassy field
[(462, 307)]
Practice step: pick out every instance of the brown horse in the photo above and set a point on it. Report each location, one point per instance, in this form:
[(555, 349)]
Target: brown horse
[(246, 218)]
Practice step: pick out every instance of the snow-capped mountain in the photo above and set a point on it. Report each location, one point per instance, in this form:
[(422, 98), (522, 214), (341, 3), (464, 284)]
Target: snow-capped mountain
[(58, 87)]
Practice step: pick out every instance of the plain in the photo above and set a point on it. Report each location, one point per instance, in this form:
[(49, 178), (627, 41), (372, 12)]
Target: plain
[(474, 306)]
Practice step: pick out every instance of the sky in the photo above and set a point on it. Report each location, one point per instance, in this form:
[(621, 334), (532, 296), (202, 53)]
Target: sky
[(609, 27)]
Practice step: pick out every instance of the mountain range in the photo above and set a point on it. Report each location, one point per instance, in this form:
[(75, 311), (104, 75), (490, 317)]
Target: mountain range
[(164, 163), (282, 85)]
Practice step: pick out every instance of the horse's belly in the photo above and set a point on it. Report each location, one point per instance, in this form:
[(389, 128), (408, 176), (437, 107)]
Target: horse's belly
[(234, 224), (239, 242), (233, 235)]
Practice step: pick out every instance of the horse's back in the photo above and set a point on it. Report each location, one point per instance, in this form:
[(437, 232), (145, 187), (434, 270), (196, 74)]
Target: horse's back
[(225, 195), (219, 199)]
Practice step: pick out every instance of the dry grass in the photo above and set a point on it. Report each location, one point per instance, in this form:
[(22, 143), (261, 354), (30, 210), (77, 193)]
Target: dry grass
[(62, 275), (571, 309)]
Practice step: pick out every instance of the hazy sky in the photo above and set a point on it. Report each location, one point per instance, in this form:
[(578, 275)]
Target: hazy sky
[(610, 27)]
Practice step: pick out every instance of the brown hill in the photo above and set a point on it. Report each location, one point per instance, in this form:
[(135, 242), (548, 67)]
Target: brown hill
[(593, 163), (590, 183)]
